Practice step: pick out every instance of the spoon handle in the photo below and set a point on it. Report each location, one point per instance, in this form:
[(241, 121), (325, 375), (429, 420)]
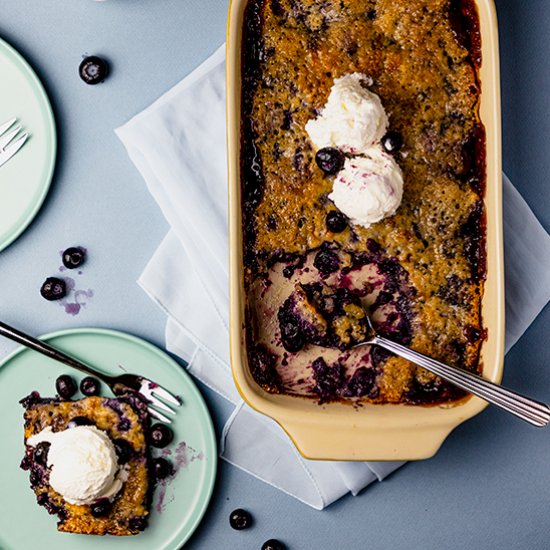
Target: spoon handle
[(531, 411)]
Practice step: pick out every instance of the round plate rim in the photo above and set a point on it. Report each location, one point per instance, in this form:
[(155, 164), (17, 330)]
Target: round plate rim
[(164, 355), (44, 99)]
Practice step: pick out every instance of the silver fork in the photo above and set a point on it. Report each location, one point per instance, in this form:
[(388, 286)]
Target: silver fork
[(11, 142), (531, 411), (149, 390)]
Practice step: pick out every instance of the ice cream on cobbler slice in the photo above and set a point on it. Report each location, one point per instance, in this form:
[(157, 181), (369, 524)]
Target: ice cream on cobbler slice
[(89, 462)]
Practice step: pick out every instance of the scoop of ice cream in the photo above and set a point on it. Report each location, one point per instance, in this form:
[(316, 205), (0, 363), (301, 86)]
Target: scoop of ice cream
[(369, 188), (83, 463), (353, 118)]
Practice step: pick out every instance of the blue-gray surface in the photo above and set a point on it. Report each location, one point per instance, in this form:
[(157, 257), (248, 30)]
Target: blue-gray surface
[(488, 487)]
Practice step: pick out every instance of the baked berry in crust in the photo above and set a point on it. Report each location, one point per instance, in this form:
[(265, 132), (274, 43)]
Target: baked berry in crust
[(317, 314), (124, 420), (421, 271)]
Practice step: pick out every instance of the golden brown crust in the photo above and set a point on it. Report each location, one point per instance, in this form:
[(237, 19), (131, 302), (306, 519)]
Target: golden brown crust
[(427, 81)]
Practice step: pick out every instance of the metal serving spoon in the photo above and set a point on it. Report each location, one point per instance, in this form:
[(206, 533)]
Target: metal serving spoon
[(531, 411)]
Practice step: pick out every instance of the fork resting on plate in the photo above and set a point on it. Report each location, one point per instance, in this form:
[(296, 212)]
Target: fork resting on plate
[(155, 395)]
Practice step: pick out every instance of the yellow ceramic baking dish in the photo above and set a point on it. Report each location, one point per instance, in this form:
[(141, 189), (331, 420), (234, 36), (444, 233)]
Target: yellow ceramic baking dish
[(339, 431)]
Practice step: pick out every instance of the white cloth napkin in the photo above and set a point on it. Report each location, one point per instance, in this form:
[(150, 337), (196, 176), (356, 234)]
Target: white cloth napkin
[(178, 145)]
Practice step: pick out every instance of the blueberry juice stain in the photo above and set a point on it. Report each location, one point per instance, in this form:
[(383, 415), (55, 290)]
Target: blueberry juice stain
[(76, 298), (79, 300)]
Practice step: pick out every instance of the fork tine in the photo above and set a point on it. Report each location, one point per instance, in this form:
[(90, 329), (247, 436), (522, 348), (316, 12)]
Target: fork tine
[(166, 395), (158, 403), (7, 125), (9, 137), (10, 152), (18, 143), (159, 416)]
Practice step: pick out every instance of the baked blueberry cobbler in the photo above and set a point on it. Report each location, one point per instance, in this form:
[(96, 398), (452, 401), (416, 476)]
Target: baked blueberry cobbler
[(89, 461), (362, 176)]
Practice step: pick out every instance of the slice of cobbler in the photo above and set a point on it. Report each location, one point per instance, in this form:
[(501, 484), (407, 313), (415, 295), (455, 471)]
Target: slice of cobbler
[(316, 313), (89, 462)]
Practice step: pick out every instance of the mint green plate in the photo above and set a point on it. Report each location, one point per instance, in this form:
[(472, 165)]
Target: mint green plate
[(23, 524), (24, 179)]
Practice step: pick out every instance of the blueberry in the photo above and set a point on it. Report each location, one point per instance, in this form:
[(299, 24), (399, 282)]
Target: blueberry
[(73, 257), (26, 463), (93, 69), (41, 453), (79, 421), (373, 246), (161, 435), (42, 498), (392, 142), (123, 449), (473, 334), (124, 425), (273, 544), (90, 386), (65, 386), (362, 383), (336, 221), (34, 478), (162, 468), (32, 399), (137, 524), (101, 507), (326, 261), (328, 379), (291, 336), (53, 289), (51, 507), (371, 14), (330, 160), (240, 519)]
